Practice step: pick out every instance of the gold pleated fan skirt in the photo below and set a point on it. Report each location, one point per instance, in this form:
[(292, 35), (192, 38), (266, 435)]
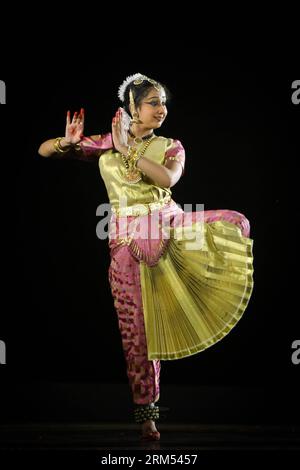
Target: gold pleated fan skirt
[(193, 298)]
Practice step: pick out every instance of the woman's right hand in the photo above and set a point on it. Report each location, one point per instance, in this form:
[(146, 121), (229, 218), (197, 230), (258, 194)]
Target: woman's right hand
[(74, 127), (119, 132)]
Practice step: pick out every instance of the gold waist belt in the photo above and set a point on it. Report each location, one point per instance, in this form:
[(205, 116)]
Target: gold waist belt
[(141, 209)]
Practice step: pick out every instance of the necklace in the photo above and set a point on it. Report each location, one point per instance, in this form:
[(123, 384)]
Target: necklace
[(139, 140), (132, 174)]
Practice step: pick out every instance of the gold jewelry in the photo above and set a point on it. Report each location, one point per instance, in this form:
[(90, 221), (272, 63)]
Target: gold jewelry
[(154, 83), (132, 174), (137, 156), (137, 80), (58, 147), (139, 140), (135, 116)]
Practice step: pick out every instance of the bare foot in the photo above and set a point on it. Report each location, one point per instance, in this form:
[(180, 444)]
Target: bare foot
[(149, 426), (149, 430)]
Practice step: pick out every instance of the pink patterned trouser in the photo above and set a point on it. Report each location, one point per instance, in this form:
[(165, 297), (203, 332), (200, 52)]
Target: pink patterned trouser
[(124, 278)]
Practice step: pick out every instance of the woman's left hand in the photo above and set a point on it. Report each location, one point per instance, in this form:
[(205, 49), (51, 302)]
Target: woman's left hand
[(119, 132)]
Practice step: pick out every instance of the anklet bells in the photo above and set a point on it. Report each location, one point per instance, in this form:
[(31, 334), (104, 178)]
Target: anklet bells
[(144, 412)]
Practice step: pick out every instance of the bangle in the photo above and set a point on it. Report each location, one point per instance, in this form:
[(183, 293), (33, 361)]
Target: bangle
[(135, 158), (128, 153), (77, 146), (59, 148)]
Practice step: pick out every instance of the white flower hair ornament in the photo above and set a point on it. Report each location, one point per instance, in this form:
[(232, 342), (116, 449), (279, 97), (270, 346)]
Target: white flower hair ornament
[(137, 79)]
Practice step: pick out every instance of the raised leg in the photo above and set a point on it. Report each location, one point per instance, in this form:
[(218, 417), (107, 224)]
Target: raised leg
[(231, 216)]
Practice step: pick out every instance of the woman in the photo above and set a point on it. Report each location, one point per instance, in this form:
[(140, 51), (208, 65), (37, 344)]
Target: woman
[(183, 288)]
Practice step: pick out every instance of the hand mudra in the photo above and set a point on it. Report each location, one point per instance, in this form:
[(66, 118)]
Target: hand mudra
[(119, 131), (74, 127)]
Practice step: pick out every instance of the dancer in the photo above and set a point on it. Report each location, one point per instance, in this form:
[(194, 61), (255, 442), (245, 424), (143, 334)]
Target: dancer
[(180, 280)]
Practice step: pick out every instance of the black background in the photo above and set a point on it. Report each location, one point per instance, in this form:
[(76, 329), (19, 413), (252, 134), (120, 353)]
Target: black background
[(232, 110)]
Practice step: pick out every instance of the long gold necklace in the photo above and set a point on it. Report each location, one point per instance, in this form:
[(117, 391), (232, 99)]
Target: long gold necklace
[(132, 174)]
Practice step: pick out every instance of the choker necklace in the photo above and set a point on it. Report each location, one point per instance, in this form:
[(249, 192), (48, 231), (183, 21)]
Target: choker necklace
[(139, 140)]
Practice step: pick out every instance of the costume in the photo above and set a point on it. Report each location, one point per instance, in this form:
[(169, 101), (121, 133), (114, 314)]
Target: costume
[(177, 293)]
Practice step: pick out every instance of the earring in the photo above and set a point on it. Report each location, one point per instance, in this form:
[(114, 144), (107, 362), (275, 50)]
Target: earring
[(135, 118)]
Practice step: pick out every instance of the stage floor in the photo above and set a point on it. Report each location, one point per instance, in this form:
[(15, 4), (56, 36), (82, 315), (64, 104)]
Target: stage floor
[(122, 436)]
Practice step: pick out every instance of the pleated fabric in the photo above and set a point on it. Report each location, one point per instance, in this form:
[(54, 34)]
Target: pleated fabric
[(192, 298), (177, 295)]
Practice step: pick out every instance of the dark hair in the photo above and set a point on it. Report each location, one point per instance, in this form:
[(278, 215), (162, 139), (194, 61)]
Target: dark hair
[(139, 92)]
